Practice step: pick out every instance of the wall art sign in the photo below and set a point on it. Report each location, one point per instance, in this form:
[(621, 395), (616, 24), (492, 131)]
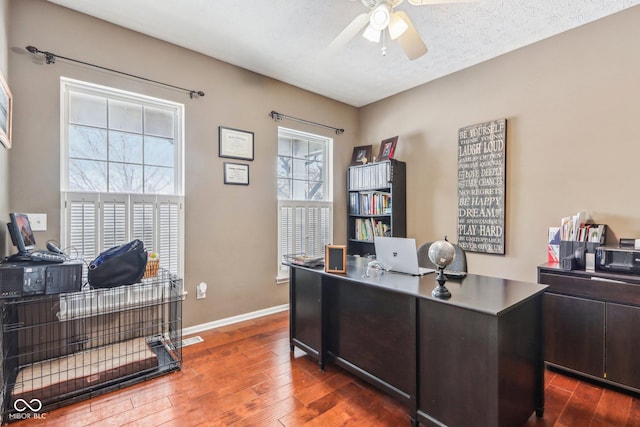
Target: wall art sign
[(482, 187), (235, 143)]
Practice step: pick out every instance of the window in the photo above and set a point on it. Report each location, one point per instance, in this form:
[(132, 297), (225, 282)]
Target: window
[(121, 172), (305, 202)]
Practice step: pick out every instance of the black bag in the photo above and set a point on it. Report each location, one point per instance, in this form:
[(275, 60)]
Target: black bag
[(120, 265)]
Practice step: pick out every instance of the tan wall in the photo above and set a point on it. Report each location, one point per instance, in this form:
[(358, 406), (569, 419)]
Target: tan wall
[(230, 231), (4, 153), (572, 104)]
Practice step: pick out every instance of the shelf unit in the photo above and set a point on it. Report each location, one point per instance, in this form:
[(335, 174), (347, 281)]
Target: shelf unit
[(376, 203), (59, 349)]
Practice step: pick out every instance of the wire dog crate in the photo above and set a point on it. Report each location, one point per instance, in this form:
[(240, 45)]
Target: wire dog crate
[(59, 349)]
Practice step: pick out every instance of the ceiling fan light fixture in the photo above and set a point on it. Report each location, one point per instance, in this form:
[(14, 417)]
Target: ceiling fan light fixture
[(380, 17), (372, 34), (397, 26)]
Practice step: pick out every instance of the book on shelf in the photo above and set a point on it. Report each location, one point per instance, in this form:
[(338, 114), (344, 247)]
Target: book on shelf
[(367, 228), (373, 175), (370, 203)]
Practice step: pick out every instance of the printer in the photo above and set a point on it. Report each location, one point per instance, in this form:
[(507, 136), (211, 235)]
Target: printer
[(618, 259)]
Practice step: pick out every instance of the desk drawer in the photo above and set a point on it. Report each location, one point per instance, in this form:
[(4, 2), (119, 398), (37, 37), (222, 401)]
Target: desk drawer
[(592, 287)]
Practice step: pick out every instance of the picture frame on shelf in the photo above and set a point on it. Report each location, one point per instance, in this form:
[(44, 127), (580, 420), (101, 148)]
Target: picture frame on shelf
[(361, 155), (236, 173), (6, 112), (387, 149), (235, 143)]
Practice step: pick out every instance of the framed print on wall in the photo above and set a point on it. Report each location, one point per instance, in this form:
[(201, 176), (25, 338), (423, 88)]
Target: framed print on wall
[(482, 162), (236, 173), (6, 110), (235, 143)]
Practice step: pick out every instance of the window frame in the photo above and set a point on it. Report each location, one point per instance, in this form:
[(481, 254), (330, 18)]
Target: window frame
[(282, 275), (129, 200), (67, 85)]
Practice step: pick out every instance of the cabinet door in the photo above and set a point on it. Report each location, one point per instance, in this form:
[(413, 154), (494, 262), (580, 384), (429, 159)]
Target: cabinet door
[(373, 330), (305, 311), (574, 333), (623, 345)]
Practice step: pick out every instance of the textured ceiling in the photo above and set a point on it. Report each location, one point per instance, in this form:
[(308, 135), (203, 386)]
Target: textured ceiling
[(287, 39)]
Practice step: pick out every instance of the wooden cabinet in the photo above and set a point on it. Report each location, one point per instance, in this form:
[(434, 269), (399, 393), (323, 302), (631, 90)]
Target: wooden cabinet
[(493, 361), (376, 204), (574, 330), (377, 331), (623, 345), (590, 321), (305, 312)]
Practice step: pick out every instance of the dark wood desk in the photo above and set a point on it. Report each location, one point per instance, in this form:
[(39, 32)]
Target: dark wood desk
[(475, 359)]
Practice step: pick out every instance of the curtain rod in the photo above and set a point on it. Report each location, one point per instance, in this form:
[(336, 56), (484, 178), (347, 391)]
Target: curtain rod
[(278, 117), (51, 59)]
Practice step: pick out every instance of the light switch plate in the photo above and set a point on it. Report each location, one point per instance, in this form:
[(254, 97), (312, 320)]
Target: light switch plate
[(38, 221)]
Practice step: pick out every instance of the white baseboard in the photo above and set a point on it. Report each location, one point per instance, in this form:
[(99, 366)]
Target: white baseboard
[(234, 319)]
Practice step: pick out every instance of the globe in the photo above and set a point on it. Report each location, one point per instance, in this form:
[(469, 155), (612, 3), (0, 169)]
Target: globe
[(442, 253)]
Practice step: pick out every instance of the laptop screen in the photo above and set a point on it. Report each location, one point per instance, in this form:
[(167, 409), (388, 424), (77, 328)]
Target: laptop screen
[(399, 254)]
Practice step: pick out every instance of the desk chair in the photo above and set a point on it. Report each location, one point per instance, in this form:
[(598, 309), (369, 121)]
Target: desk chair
[(459, 265)]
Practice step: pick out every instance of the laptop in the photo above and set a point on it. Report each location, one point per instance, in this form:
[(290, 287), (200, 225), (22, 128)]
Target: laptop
[(399, 254)]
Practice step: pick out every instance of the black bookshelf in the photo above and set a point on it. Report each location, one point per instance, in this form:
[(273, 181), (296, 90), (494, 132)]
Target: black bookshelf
[(376, 204)]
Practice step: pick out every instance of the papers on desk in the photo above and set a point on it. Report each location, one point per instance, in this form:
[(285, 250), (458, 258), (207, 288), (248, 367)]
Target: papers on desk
[(571, 225), (575, 229), (553, 245)]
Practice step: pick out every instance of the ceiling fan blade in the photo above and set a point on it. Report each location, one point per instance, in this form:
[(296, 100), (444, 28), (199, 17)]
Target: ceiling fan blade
[(410, 40), (349, 32), (428, 2)]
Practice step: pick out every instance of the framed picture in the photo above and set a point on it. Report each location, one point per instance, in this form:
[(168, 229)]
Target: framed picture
[(361, 155), (235, 143), (335, 259), (387, 149), (236, 173), (6, 110)]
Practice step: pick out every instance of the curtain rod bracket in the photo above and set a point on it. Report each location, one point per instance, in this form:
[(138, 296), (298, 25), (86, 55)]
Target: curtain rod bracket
[(278, 118), (50, 58)]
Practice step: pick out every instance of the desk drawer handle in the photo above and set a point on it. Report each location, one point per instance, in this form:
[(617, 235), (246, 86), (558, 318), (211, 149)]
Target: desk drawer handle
[(601, 279)]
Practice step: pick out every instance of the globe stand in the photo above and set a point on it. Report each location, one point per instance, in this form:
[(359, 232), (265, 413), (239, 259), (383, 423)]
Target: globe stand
[(441, 291)]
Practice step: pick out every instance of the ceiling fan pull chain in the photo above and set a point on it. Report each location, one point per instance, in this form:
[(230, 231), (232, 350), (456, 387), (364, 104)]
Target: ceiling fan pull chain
[(383, 48)]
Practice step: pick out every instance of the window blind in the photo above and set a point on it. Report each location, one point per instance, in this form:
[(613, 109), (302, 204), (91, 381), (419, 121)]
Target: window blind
[(156, 220), (304, 227)]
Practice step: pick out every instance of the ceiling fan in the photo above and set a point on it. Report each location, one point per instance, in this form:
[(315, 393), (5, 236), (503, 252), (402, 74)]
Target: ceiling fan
[(383, 16)]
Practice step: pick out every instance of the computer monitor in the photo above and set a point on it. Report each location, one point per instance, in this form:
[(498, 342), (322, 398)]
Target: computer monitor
[(21, 233)]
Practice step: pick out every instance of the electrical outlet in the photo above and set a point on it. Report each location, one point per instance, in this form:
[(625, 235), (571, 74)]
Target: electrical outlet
[(201, 291), (38, 221)]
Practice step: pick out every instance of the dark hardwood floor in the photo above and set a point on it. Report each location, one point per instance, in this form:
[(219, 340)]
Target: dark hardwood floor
[(244, 375)]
